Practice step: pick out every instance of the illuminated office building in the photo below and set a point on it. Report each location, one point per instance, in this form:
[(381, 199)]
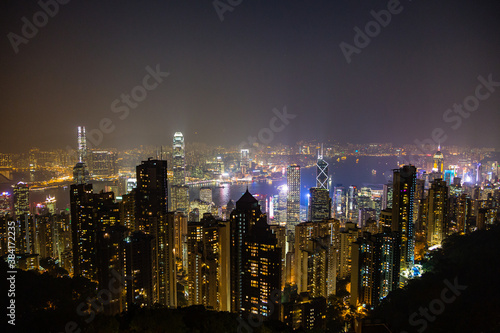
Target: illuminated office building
[(179, 192), (280, 208), (180, 198), (179, 164), (81, 173), (320, 204), (21, 199), (438, 165), (293, 196), (206, 194), (322, 177), (80, 170), (82, 144), (387, 196), (5, 204), (244, 160), (102, 163)]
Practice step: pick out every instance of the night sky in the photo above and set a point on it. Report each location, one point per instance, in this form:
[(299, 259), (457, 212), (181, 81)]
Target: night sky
[(226, 77)]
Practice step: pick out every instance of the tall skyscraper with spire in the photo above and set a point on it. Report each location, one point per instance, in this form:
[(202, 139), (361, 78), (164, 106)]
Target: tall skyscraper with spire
[(179, 160), (82, 144), (322, 178), (438, 165), (179, 190), (80, 171)]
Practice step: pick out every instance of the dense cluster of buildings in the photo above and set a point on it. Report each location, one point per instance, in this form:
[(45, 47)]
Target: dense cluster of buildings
[(259, 256)]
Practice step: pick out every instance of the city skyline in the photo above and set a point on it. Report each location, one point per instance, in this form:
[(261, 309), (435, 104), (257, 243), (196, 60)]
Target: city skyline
[(223, 84), (250, 166)]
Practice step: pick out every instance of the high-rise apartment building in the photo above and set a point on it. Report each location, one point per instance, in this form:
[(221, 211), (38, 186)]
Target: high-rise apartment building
[(261, 275), (315, 258), (243, 218), (153, 219), (404, 180), (208, 263), (437, 213)]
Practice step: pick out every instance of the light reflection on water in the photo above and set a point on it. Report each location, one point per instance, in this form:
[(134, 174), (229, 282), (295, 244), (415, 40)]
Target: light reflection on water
[(346, 172)]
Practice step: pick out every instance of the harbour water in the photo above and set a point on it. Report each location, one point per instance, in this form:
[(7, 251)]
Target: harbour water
[(366, 171)]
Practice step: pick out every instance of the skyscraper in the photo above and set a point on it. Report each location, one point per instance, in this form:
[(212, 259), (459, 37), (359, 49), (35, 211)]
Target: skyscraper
[(293, 196), (81, 173), (83, 230), (404, 180), (153, 219), (245, 216), (179, 191), (375, 268), (261, 275), (438, 165), (347, 236), (245, 160), (206, 194), (21, 199), (207, 264), (320, 204), (322, 178), (180, 198), (80, 170), (179, 160), (315, 258), (82, 144), (437, 213), (139, 268)]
